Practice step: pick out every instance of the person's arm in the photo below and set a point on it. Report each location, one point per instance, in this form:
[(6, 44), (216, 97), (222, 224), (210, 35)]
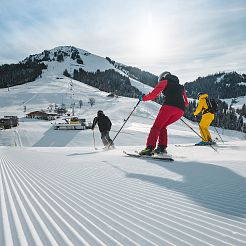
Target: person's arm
[(109, 123), (185, 99), (156, 91), (199, 107)]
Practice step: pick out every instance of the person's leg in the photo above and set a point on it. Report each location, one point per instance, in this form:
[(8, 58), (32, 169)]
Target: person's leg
[(174, 115), (109, 139), (154, 133), (204, 124), (162, 140), (104, 139), (202, 127), (167, 115), (208, 118)]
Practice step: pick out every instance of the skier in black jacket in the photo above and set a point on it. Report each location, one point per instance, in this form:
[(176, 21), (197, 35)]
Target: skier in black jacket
[(104, 125)]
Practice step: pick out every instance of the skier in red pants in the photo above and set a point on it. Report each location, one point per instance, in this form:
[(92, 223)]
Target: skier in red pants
[(172, 110)]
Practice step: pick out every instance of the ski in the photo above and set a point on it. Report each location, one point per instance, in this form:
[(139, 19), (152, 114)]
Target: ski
[(193, 145), (153, 157), (184, 145)]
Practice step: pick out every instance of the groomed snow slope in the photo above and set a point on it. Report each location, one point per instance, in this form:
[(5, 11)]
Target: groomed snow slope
[(56, 189), (77, 196)]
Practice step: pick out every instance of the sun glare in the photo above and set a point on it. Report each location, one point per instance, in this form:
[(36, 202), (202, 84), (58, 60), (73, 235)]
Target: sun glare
[(148, 41)]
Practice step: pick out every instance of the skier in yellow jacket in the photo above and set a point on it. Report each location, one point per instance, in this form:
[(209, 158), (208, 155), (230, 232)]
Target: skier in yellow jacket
[(206, 120)]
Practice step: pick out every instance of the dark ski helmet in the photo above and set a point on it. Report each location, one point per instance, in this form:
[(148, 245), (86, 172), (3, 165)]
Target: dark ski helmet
[(200, 93), (163, 76), (100, 112)]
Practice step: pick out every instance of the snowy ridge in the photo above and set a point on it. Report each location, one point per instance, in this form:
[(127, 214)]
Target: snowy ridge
[(70, 201)]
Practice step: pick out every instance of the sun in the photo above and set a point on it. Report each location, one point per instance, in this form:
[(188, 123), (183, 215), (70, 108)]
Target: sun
[(148, 41)]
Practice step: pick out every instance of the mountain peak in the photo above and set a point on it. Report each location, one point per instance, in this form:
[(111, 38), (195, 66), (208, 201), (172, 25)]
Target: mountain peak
[(58, 53)]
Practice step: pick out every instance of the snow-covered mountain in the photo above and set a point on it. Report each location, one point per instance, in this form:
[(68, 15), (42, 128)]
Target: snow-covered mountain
[(69, 58), (229, 87), (56, 189)]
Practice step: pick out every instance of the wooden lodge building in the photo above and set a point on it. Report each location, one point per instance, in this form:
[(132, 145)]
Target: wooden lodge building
[(41, 115)]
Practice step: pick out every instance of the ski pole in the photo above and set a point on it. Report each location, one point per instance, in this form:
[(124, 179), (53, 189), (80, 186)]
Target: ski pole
[(219, 134), (124, 123), (192, 129), (129, 133), (94, 140), (197, 133)]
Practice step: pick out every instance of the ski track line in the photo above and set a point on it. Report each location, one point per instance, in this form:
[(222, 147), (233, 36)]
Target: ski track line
[(18, 137), (19, 236), (6, 235), (118, 235), (176, 195), (145, 232), (98, 173), (74, 235), (201, 211), (139, 204), (213, 198), (122, 190), (177, 218), (62, 235), (216, 204), (2, 199), (27, 226), (217, 197), (44, 225), (152, 236), (78, 214), (87, 194), (71, 191)]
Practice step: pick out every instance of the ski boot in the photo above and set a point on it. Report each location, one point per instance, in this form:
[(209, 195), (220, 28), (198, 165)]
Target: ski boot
[(212, 142), (111, 146), (202, 143), (161, 149), (147, 151)]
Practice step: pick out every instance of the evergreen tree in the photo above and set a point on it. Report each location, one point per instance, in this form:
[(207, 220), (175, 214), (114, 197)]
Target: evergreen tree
[(16, 74), (109, 81), (60, 57), (66, 73)]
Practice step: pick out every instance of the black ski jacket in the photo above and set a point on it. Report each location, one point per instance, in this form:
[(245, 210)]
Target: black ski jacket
[(103, 122), (174, 93)]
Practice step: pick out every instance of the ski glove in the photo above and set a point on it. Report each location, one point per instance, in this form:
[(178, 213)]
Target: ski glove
[(141, 97)]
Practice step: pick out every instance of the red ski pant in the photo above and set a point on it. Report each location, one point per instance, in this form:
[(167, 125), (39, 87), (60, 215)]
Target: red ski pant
[(166, 116)]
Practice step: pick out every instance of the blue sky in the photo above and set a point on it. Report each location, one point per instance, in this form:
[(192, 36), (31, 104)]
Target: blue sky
[(190, 38)]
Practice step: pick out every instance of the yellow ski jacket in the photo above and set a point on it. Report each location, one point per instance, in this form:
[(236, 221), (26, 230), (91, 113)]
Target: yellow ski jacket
[(202, 104)]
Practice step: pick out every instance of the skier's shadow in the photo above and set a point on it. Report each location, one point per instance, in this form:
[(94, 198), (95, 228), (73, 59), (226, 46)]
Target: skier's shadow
[(214, 187), (56, 138), (85, 153)]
